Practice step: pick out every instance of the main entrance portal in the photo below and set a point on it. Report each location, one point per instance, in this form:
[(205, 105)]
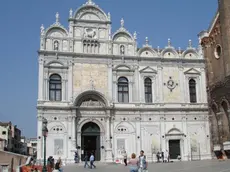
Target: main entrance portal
[(174, 149), (90, 140)]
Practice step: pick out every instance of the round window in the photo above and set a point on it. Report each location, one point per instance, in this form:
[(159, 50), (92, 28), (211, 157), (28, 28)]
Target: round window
[(218, 52)]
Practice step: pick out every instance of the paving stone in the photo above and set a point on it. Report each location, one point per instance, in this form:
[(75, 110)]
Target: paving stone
[(192, 166)]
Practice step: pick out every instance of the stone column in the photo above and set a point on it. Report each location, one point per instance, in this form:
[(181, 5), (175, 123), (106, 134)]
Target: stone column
[(41, 78), (131, 83)]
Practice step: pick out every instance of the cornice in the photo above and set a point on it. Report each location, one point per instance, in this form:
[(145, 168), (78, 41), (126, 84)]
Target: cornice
[(139, 109), (117, 57)]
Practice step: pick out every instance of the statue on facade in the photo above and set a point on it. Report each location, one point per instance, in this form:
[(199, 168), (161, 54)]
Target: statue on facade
[(42, 29), (57, 17), (122, 22), (109, 16), (135, 35), (70, 13), (56, 45), (122, 49)]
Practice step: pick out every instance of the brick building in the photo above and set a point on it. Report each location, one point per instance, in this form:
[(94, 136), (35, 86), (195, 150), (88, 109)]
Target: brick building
[(216, 49)]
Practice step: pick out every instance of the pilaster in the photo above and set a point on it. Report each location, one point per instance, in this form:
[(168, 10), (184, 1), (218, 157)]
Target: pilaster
[(182, 87), (160, 83), (41, 78), (110, 82), (136, 89), (108, 140), (39, 137), (138, 134), (70, 82)]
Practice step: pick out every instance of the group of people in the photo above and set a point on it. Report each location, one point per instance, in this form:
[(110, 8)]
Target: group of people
[(53, 165), (163, 156), (91, 160), (135, 164)]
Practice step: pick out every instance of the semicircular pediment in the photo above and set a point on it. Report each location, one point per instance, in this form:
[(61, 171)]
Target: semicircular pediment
[(90, 12), (89, 16), (91, 102)]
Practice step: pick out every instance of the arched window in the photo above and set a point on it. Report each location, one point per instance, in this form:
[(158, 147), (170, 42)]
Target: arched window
[(192, 91), (123, 90), (55, 87), (148, 90)]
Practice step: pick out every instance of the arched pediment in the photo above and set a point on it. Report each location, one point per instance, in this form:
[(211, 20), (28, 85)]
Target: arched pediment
[(56, 32), (147, 52), (90, 11), (55, 63), (190, 53), (91, 98), (169, 52), (174, 131), (122, 35)]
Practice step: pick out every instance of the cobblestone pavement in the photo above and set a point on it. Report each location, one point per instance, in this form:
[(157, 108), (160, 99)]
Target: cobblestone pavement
[(194, 166)]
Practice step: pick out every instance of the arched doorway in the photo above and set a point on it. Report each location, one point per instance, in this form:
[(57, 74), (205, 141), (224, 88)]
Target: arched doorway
[(90, 140), (214, 126), (225, 121)]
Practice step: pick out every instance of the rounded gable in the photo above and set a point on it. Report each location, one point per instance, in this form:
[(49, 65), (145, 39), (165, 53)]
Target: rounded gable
[(169, 52), (90, 11), (190, 53), (122, 36), (147, 52), (56, 31)]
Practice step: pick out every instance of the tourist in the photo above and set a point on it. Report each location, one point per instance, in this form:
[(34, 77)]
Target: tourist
[(133, 163), (142, 162), (125, 158), (58, 165), (166, 154), (162, 156), (158, 156), (91, 159), (86, 160)]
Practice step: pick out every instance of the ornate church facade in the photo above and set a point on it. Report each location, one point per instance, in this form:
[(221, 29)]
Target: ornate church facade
[(100, 93)]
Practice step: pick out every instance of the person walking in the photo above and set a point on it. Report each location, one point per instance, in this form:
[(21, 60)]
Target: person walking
[(86, 160), (133, 163), (142, 163), (125, 158), (91, 159)]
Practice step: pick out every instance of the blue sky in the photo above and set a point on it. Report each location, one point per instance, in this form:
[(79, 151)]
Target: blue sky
[(179, 20)]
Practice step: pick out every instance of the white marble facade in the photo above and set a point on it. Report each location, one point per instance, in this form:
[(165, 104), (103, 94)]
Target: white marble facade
[(141, 98)]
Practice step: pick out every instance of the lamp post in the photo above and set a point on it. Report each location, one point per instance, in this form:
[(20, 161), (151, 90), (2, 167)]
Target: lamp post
[(44, 133)]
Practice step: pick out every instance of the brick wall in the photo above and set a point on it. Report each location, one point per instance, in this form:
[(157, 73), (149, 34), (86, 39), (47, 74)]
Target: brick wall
[(8, 158)]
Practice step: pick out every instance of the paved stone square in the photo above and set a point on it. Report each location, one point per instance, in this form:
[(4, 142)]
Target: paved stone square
[(194, 166)]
